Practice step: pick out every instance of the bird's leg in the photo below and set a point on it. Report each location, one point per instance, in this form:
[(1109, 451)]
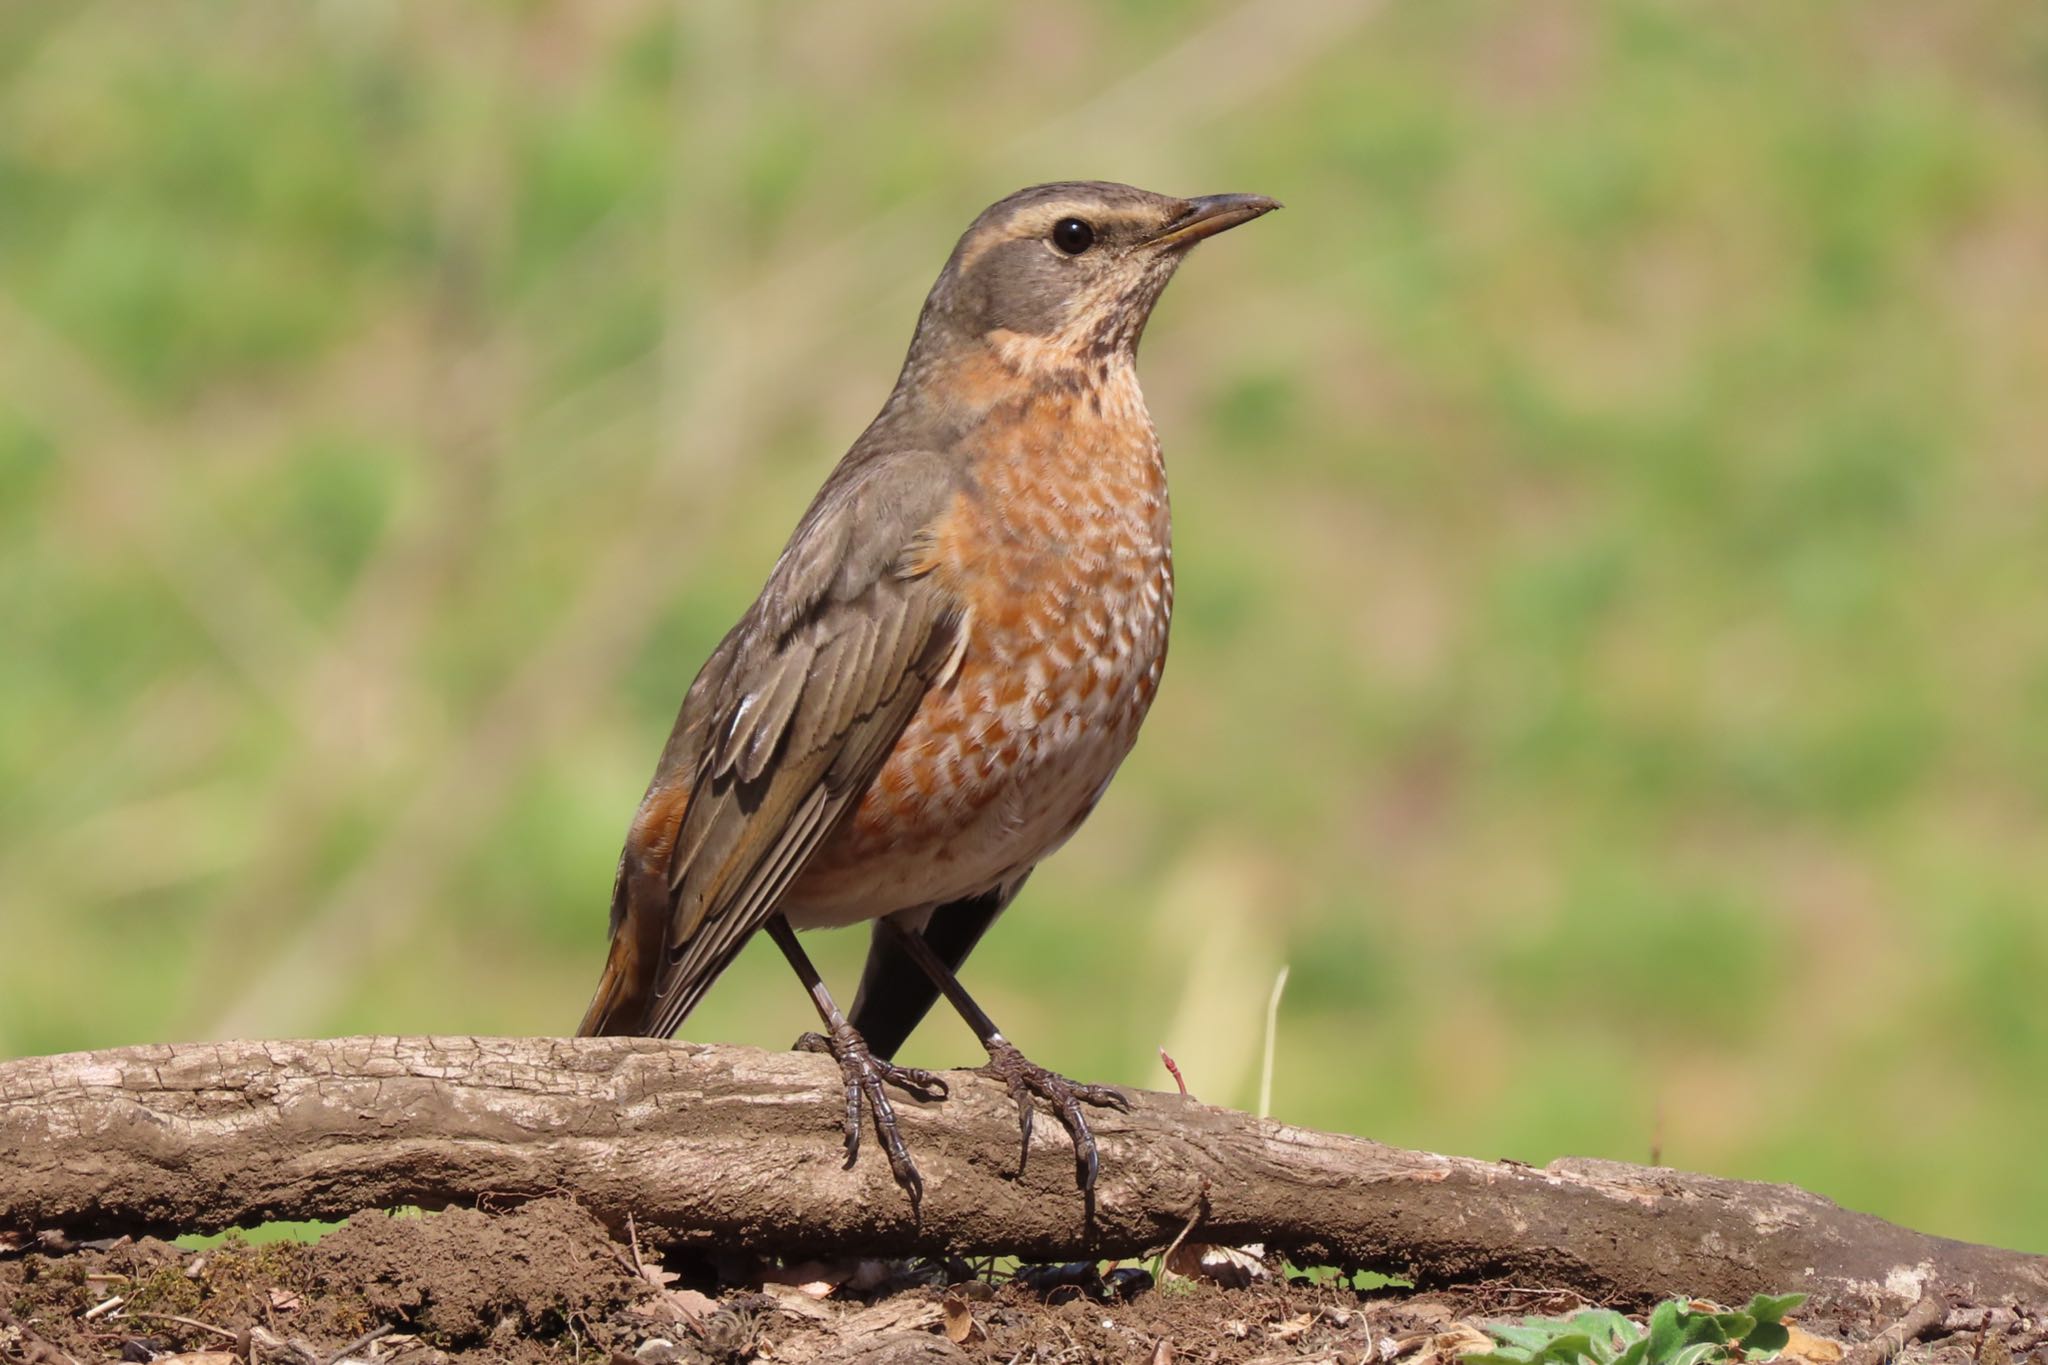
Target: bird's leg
[(1023, 1076), (864, 1073)]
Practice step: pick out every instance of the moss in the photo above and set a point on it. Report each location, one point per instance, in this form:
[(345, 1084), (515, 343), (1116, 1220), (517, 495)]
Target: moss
[(165, 1290), (236, 1267), (57, 1283)]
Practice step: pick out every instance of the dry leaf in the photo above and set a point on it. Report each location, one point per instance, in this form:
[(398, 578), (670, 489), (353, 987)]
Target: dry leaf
[(1293, 1329), (200, 1358), (1804, 1345), (961, 1328), (904, 1313), (815, 1278), (690, 1301), (1162, 1352), (1451, 1345), (675, 1305), (285, 1301), (1231, 1267), (794, 1301)]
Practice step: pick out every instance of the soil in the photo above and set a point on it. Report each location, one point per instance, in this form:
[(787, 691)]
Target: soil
[(545, 1282)]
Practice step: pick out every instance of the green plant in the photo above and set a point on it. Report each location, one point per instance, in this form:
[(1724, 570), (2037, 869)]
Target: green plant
[(1679, 1332)]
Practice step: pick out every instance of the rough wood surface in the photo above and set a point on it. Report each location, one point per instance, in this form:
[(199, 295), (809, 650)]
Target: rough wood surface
[(733, 1147)]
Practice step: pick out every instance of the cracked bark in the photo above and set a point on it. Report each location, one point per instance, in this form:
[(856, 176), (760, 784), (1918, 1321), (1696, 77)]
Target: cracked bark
[(730, 1147)]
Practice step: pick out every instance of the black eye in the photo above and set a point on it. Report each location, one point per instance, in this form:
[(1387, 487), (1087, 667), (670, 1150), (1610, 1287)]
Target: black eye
[(1072, 236)]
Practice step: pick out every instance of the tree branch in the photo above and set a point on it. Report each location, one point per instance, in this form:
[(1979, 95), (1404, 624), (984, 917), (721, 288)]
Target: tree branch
[(729, 1147)]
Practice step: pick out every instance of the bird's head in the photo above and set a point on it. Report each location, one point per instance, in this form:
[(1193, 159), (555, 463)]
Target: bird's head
[(1070, 270)]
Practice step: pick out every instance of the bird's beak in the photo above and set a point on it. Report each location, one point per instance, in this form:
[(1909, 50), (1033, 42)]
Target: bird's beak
[(1211, 214)]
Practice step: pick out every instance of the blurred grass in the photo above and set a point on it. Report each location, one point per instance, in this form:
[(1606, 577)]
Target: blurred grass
[(1611, 509)]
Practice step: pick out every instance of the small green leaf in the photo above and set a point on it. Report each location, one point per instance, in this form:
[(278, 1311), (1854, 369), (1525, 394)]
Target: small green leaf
[(1766, 1338), (1570, 1347), (1675, 1335), (1772, 1308), (1605, 1322), (1701, 1353), (1715, 1328), (1533, 1334), (1665, 1333)]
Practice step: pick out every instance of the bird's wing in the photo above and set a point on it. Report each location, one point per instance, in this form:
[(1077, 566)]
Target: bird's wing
[(895, 994), (779, 736)]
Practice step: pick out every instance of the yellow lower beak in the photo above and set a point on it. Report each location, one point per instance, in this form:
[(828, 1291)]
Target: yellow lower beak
[(1211, 214)]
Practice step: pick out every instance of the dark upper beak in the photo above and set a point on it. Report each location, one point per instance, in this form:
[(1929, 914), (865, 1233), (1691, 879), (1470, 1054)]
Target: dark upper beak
[(1211, 214)]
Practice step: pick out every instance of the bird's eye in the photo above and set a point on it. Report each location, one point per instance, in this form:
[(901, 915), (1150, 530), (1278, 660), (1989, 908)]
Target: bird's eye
[(1072, 236)]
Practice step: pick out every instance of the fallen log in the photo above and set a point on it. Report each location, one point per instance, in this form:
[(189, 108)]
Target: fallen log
[(735, 1148)]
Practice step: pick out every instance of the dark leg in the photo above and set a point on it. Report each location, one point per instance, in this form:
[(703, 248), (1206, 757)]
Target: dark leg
[(864, 1074), (1024, 1077)]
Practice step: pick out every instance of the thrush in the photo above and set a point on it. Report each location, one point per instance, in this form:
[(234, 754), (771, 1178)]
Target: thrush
[(950, 659)]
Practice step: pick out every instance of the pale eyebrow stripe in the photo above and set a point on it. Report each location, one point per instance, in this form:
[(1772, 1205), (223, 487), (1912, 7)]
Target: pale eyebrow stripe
[(1005, 230)]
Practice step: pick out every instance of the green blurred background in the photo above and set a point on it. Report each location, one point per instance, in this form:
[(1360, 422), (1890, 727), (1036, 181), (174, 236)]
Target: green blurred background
[(1612, 512)]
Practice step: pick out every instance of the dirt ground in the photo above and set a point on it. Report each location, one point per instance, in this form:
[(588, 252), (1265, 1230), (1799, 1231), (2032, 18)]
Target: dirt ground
[(546, 1282)]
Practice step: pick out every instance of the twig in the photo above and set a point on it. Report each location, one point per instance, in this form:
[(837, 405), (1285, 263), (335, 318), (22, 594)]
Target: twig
[(189, 1322), (1194, 1217), (1919, 1320), (1540, 1292), (1174, 1071), (104, 1307), (271, 1341), (1272, 1033), (374, 1334)]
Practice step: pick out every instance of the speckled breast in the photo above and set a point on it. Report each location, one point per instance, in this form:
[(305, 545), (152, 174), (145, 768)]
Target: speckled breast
[(1061, 553)]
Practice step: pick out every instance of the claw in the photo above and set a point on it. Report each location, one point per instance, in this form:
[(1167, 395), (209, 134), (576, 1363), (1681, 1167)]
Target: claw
[(865, 1075), (1020, 1095), (1025, 1078)]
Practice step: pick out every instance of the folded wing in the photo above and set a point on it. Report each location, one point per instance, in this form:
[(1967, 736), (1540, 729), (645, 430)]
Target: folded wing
[(779, 737)]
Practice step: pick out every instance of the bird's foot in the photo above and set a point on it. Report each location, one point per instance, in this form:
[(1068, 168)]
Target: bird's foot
[(865, 1074), (1026, 1078)]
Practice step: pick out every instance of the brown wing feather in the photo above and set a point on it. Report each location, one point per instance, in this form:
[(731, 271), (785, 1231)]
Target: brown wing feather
[(764, 831), (779, 736)]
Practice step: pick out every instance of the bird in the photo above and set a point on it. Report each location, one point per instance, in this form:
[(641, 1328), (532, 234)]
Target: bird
[(949, 661)]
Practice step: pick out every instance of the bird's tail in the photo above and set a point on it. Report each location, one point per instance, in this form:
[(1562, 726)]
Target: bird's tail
[(621, 1002), (618, 1006)]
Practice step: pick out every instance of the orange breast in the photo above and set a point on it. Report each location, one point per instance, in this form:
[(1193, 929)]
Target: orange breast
[(1061, 551)]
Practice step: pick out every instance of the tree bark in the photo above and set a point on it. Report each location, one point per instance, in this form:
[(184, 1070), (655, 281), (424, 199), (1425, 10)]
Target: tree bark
[(729, 1147)]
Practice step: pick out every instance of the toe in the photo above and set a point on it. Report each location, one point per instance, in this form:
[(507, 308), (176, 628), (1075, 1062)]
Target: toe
[(926, 1085)]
